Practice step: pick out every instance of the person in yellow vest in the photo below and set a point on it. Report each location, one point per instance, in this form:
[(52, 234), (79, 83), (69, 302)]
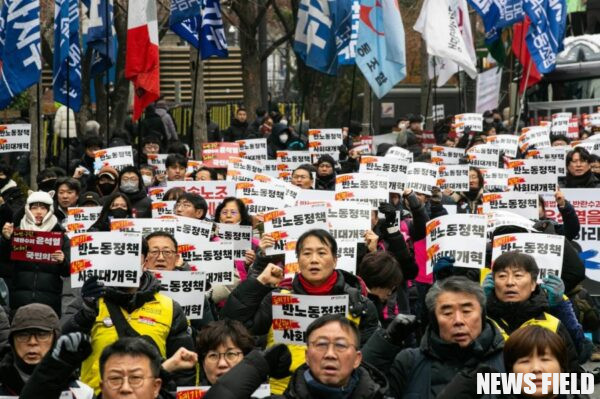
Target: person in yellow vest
[(250, 302), (515, 300), (112, 313)]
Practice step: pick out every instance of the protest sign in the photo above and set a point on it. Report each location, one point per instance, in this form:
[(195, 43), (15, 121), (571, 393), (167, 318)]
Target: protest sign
[(260, 197), (162, 208), (80, 219), (244, 164), (534, 136), (213, 191), (362, 187), (292, 314), (240, 236), (314, 197), (271, 167), (253, 149), (393, 168), (192, 166), (325, 141), (532, 166), (594, 119), (349, 220), (186, 288), (263, 391), (158, 162), (546, 249), (399, 153), (216, 155), (496, 179), (473, 121), (143, 226), (362, 149), (506, 143), (524, 204), (488, 89), (560, 124), (555, 156), (115, 157), (290, 160), (347, 255), (35, 246), (437, 112), (192, 236), (453, 177), (592, 146), (499, 218), (446, 155), (114, 257), (461, 236), (361, 141), (15, 138), (534, 183), (288, 224), (216, 261), (156, 193), (484, 156), (573, 129), (421, 177)]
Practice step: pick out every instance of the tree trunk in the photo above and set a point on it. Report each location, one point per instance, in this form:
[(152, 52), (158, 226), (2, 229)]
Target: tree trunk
[(366, 108), (101, 111), (85, 113), (35, 138), (120, 94), (250, 71), (426, 98), (199, 133)]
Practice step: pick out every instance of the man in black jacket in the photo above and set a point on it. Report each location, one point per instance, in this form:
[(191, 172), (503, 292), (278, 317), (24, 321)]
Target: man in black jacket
[(239, 127), (11, 198)]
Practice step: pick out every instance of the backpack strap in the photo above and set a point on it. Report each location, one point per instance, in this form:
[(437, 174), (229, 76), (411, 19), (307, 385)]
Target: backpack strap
[(123, 328)]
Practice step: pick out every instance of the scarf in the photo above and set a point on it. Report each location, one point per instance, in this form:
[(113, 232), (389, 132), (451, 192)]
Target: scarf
[(323, 391), (583, 181), (48, 223), (9, 184), (323, 289)]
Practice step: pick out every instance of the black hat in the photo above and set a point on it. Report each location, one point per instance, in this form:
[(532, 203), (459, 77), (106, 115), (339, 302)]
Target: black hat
[(152, 137), (415, 119), (326, 158), (90, 197)]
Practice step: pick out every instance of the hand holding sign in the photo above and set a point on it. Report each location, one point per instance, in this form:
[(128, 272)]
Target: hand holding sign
[(266, 241), (271, 276), (560, 197), (58, 256), (7, 230)]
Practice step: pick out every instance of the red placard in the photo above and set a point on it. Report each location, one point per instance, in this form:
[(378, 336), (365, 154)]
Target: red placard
[(35, 246), (216, 155)]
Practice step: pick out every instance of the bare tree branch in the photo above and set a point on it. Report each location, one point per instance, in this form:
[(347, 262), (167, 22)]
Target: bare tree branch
[(261, 13), (289, 33), (244, 21), (269, 50)]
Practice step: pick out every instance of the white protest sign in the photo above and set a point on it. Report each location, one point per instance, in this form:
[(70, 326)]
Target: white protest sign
[(594, 119), (15, 138), (446, 155), (158, 162), (80, 219), (499, 218), (534, 183), (143, 226), (186, 288), (260, 197), (421, 177), (461, 236), (534, 136), (271, 167), (237, 163), (315, 197), (156, 193), (555, 156), (114, 257), (560, 124), (292, 314), (240, 236), (453, 177), (496, 179), (484, 156), (325, 141), (488, 89), (349, 220), (216, 261), (393, 168), (162, 208), (192, 166), (532, 166), (192, 236), (506, 143), (253, 149), (473, 121), (370, 188), (546, 249), (524, 204), (399, 153), (115, 157), (213, 191), (592, 146), (292, 159), (437, 112), (263, 391), (347, 255), (288, 224)]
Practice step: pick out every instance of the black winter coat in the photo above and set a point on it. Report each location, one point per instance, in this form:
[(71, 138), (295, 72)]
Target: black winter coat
[(237, 131), (422, 373), (141, 204), (14, 201), (31, 282), (11, 383), (325, 182)]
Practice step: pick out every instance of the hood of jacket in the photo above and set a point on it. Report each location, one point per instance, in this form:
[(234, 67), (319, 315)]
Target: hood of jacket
[(489, 341), (371, 383), (149, 286), (511, 315)]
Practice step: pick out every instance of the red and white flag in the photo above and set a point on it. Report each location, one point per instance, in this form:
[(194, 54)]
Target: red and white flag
[(142, 62)]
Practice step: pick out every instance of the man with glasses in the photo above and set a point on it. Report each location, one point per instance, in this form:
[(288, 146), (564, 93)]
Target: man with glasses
[(302, 176), (191, 205), (333, 367)]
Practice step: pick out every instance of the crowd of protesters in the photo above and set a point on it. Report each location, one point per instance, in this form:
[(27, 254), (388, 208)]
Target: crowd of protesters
[(407, 334)]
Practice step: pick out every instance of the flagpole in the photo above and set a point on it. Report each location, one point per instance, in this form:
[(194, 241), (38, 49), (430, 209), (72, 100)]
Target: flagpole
[(194, 84), (519, 60), (522, 105), (107, 84), (435, 86), (351, 102), (68, 109), (427, 103), (460, 105), (39, 127)]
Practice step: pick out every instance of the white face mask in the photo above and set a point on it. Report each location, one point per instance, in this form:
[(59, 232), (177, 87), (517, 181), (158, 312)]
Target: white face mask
[(283, 138), (147, 180), (489, 120)]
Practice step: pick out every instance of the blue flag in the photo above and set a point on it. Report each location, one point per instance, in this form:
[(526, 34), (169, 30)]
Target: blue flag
[(100, 16), (188, 30), (184, 19), (546, 32), (20, 60), (496, 15), (346, 21), (67, 54), (380, 51), (314, 40), (212, 33)]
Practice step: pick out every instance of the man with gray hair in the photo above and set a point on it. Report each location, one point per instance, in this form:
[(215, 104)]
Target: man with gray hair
[(459, 337)]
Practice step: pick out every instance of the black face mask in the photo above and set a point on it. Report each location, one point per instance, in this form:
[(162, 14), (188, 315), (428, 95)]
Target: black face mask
[(106, 188), (3, 182), (47, 185), (118, 213)]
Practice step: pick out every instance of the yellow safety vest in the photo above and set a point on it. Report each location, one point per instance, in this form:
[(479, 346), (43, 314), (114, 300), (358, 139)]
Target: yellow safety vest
[(153, 319), (298, 352)]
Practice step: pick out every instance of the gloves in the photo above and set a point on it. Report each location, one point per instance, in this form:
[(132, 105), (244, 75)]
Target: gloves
[(443, 268), (436, 195), (488, 284), (92, 290), (401, 327), (391, 221), (72, 348), (279, 359), (554, 288)]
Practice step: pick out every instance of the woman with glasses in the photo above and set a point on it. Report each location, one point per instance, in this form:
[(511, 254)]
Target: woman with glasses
[(132, 186), (579, 170)]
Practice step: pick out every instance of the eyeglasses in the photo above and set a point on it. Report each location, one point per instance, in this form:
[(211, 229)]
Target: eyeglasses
[(230, 356), (229, 212), (184, 205), (131, 179), (135, 381), (300, 177), (167, 253), (338, 346), (40, 336)]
